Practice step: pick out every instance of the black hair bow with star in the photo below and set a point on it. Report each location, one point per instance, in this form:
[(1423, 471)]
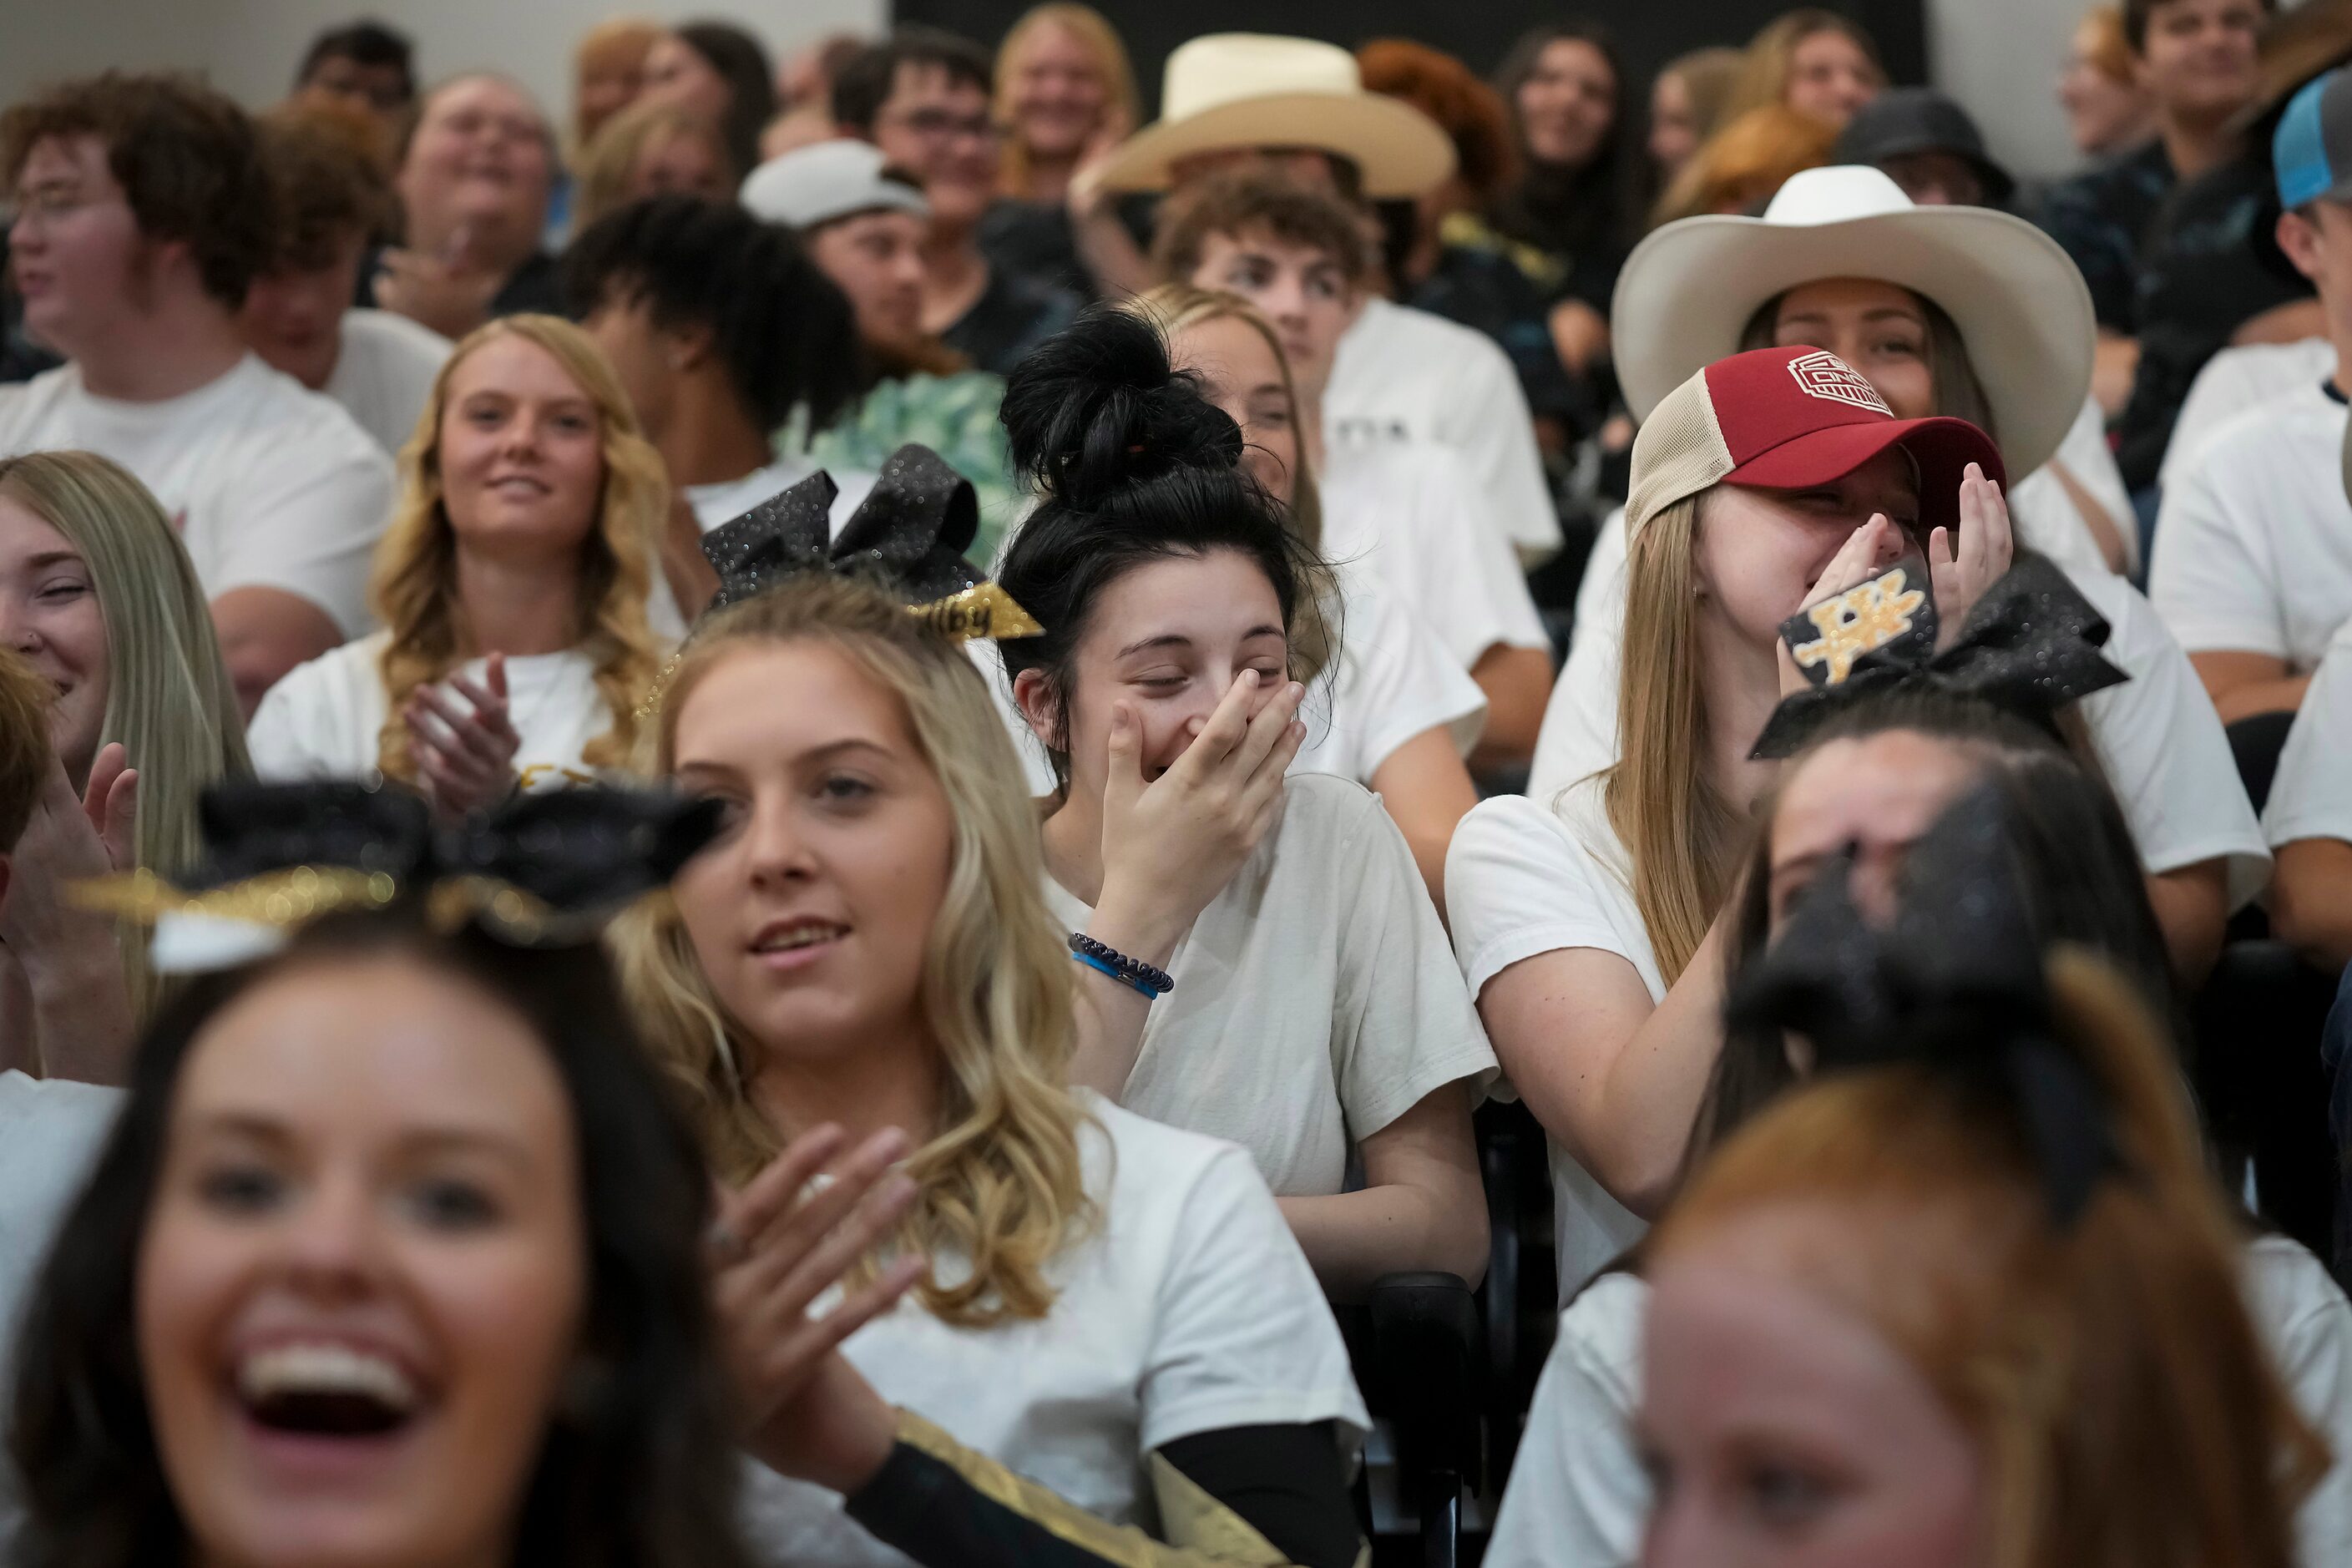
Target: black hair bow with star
[(2030, 646), (1953, 982)]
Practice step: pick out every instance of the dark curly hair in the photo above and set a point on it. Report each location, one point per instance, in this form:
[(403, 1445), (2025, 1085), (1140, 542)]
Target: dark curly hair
[(187, 159), (784, 331), (1132, 465), (642, 1476)]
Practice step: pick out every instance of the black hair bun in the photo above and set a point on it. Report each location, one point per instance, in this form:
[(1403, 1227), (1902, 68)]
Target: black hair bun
[(1095, 409)]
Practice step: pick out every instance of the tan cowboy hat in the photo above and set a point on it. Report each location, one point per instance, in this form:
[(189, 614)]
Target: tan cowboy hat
[(2020, 303), (1228, 90)]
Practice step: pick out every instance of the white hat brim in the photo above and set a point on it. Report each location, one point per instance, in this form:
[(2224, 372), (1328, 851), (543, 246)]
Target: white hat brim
[(2020, 303), (1400, 150)]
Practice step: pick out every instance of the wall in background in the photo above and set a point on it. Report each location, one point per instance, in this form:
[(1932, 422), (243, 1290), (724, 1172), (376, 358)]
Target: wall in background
[(249, 47)]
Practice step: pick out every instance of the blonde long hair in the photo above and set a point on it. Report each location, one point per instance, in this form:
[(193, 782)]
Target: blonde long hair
[(606, 168), (1177, 307), (1101, 40), (2109, 1373), (1000, 1180), (169, 698), (415, 589), (1682, 837), (1772, 55)]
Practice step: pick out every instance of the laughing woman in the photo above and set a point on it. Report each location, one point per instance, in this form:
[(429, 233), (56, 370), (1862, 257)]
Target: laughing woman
[(513, 587), (391, 1259)]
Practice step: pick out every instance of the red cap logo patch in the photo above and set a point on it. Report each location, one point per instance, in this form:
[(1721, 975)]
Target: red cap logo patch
[(1825, 376)]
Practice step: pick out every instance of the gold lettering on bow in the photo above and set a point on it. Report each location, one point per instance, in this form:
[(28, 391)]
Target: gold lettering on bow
[(1859, 620)]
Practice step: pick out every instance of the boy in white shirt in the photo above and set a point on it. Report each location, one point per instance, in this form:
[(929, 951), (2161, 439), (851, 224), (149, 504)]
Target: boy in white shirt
[(1297, 107), (298, 313), (142, 214), (1409, 514), (2252, 562)]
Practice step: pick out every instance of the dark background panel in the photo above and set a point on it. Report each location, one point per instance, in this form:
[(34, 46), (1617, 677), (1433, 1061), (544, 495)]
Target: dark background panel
[(1479, 31)]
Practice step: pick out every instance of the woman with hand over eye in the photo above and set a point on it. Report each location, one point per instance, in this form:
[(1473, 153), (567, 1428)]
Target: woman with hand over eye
[(513, 587)]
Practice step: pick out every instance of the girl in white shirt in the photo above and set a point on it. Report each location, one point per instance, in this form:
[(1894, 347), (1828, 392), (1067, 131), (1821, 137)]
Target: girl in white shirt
[(860, 974), (1401, 706), (1315, 1017), (1590, 927), (512, 588)]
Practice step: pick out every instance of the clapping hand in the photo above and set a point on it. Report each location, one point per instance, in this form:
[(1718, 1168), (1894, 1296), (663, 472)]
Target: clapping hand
[(465, 755), (781, 1244)]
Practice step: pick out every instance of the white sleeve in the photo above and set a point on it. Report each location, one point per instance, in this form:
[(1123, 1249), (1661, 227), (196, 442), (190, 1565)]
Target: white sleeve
[(309, 528), (2307, 1324), (1579, 1497), (1516, 884), (2210, 575), (1463, 573), (1403, 1024), (301, 730), (1242, 1335), (1495, 432), (2166, 755), (1394, 681), (2311, 795)]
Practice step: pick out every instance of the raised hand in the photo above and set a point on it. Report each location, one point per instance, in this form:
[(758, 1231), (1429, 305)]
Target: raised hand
[(1980, 558), (1867, 551), (111, 803), (465, 753), (779, 1246)]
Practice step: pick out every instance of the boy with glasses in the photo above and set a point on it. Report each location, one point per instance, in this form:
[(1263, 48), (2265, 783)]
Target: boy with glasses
[(922, 97)]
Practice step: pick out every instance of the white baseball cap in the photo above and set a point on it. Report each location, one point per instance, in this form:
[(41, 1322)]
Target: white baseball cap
[(828, 180)]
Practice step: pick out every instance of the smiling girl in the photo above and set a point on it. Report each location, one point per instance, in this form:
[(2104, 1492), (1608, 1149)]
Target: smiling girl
[(512, 587)]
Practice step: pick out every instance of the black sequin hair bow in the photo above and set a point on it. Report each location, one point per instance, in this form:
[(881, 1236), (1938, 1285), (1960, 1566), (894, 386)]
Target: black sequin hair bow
[(908, 534), (2030, 646), (541, 870), (1955, 982)]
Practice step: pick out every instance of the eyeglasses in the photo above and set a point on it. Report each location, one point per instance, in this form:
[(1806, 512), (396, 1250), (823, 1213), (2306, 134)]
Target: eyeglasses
[(54, 204), (939, 125)]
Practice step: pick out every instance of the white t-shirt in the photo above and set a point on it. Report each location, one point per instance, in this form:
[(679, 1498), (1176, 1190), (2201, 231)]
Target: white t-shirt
[(1402, 374), (50, 1134), (2162, 745), (270, 485), (2047, 517), (325, 719), (1393, 680), (2233, 381), (1188, 1309), (1409, 516), (1316, 999), (2311, 793), (1522, 880), (2253, 543), (716, 505), (383, 374), (1579, 1497)]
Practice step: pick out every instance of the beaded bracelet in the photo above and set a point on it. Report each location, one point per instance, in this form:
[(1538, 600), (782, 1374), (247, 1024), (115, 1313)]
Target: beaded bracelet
[(1144, 977)]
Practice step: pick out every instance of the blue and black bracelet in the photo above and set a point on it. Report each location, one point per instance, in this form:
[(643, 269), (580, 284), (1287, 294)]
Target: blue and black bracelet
[(1151, 982)]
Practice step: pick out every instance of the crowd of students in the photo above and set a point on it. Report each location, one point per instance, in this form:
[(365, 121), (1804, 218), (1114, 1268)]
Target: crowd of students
[(812, 820)]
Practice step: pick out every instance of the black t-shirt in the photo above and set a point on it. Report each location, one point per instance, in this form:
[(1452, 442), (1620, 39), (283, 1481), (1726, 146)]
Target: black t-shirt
[(1036, 242), (2210, 265), (2103, 218), (1012, 316)]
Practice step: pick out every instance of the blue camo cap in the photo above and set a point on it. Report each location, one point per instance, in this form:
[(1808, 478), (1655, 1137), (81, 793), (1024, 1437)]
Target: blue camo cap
[(2312, 150)]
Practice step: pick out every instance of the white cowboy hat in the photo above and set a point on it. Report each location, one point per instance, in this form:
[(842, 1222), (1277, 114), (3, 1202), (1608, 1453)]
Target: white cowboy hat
[(1688, 291), (1226, 90)]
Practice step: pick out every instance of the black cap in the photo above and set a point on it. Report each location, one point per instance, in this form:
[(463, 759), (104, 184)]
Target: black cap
[(1907, 120)]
